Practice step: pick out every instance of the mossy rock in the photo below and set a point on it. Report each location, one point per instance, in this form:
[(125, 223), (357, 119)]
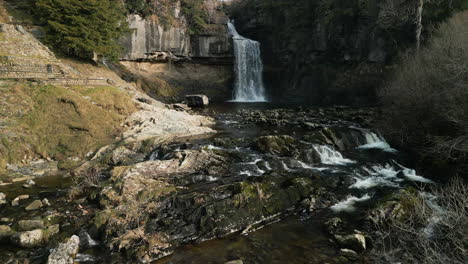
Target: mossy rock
[(278, 145)]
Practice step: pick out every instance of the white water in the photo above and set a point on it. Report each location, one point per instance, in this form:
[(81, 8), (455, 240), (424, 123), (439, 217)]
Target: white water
[(248, 68), (348, 205), (330, 156), (373, 141)]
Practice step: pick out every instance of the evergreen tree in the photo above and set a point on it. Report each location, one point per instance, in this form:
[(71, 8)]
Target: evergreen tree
[(80, 27)]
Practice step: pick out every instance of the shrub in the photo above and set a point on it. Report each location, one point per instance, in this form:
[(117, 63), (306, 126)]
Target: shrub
[(426, 101), (432, 228), (80, 27)]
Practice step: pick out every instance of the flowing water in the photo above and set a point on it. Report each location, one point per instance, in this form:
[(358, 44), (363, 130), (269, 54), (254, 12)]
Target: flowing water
[(361, 174), (249, 85)]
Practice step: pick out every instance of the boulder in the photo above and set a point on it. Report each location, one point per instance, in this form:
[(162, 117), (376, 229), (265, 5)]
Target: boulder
[(197, 100), (66, 252), (28, 239), (355, 241), (5, 231), (28, 225), (35, 205), (278, 145)]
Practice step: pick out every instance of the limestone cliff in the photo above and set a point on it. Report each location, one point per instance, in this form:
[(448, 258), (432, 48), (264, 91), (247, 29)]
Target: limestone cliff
[(169, 60)]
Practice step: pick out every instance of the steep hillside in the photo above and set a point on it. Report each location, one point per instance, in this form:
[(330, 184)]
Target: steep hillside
[(63, 111)]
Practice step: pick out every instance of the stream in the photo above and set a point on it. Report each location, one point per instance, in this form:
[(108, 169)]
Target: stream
[(356, 173)]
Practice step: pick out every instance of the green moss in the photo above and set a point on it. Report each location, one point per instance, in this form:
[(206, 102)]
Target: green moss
[(68, 164)]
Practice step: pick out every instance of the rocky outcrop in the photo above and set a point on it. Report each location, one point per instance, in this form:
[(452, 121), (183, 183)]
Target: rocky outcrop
[(149, 40), (191, 195), (171, 60)]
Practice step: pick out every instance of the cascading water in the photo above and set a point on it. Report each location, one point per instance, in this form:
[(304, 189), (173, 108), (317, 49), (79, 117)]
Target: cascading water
[(248, 68)]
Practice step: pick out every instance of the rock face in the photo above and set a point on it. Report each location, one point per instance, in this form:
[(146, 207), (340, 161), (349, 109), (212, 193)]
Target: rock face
[(334, 56), (169, 61), (150, 40), (66, 252)]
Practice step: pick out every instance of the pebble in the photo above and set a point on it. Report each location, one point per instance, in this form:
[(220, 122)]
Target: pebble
[(35, 205)]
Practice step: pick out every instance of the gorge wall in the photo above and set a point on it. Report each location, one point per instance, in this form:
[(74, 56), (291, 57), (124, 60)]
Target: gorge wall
[(329, 51), (169, 60)]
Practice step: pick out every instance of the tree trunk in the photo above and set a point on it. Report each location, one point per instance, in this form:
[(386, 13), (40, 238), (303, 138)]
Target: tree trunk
[(419, 26)]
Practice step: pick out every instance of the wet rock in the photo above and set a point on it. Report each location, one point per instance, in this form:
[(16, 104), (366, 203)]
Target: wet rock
[(334, 225), (28, 225), (349, 254), (5, 232), (35, 205), (356, 242), (65, 253), (198, 211), (278, 145), (29, 238), (86, 241), (197, 100)]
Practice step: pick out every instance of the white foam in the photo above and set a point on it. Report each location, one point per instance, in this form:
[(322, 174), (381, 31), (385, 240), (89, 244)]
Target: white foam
[(330, 156), (411, 175), (212, 147), (348, 205), (367, 183), (286, 167), (373, 141)]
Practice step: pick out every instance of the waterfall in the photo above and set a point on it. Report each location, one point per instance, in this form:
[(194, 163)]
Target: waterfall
[(374, 141), (248, 68), (330, 156)]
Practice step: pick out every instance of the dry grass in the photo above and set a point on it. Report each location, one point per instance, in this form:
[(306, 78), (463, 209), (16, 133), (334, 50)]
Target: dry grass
[(57, 122)]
